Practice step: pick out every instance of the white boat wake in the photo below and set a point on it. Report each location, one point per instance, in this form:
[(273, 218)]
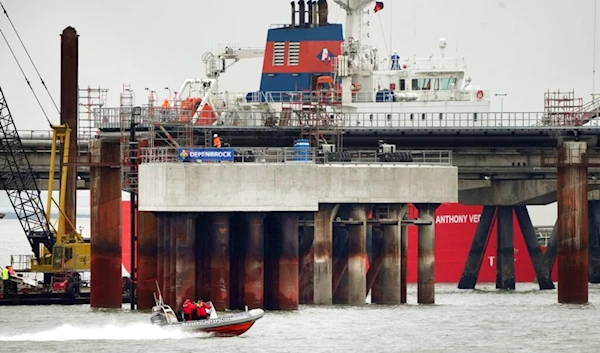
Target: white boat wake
[(134, 331)]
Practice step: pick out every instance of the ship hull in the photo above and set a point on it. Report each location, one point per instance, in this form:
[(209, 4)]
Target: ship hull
[(455, 229)]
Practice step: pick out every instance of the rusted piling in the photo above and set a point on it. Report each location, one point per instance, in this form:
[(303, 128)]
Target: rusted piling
[(505, 249), (254, 268), (307, 272), (185, 264), (572, 223), (69, 60), (147, 258), (322, 249), (219, 261), (426, 254), (288, 263), (105, 224), (357, 254), (403, 263)]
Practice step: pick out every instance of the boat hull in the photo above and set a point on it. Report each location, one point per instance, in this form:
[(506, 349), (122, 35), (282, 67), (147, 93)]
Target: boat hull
[(230, 325)]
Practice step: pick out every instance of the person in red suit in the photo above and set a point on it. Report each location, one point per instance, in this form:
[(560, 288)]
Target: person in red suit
[(202, 309), (188, 309)]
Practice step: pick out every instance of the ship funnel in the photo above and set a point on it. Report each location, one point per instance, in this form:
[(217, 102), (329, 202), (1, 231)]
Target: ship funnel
[(293, 23), (301, 14), (315, 17), (310, 13), (323, 12)]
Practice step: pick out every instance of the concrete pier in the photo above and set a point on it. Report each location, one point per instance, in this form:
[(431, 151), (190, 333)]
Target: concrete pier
[(404, 263), (105, 224), (426, 254), (572, 223)]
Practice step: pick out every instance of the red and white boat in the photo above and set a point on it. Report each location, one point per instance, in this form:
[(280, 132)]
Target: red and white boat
[(228, 325)]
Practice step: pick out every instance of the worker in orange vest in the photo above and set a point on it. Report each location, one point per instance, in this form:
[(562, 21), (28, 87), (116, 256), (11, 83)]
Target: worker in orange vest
[(165, 103), (216, 141)]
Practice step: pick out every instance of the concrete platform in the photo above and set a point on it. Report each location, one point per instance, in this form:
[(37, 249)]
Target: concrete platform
[(247, 187)]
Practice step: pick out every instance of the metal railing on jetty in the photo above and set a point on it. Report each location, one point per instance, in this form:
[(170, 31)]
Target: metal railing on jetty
[(312, 155), (110, 118)]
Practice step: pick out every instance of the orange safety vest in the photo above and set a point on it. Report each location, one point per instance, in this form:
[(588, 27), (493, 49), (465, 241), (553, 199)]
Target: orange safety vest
[(217, 142)]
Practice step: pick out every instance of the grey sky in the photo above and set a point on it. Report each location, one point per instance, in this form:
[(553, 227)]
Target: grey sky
[(518, 47)]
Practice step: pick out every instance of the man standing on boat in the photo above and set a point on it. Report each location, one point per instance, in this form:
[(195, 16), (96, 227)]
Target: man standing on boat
[(188, 309), (202, 309), (5, 278)]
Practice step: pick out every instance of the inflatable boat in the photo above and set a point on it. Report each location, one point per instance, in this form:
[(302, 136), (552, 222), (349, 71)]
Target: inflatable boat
[(227, 325)]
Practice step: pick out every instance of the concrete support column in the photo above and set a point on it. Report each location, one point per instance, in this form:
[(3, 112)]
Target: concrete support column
[(426, 254), (185, 265), (307, 272), (172, 285), (403, 263), (105, 227), (288, 263), (219, 261), (391, 264), (357, 255), (147, 259), (572, 194), (323, 239), (374, 279), (254, 268)]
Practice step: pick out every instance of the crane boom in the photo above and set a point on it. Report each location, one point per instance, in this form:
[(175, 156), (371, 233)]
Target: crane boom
[(18, 180)]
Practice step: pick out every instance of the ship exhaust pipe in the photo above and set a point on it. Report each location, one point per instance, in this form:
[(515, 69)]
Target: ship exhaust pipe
[(310, 13), (323, 12), (293, 23), (301, 14)]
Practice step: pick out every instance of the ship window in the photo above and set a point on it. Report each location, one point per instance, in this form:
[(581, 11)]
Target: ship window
[(415, 85), (446, 83), (436, 84), (294, 54), (402, 85), (278, 53)]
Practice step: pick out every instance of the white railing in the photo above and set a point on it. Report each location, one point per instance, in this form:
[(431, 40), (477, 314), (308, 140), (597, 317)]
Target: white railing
[(312, 155), (109, 119)]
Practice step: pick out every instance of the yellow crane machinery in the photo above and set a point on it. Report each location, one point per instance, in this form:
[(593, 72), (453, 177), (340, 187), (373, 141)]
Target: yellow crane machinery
[(57, 254), (70, 252)]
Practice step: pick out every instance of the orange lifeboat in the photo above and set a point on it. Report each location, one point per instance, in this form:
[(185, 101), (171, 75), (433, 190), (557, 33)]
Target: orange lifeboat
[(189, 107)]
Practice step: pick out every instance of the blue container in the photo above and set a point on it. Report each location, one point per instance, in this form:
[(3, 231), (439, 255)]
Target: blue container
[(301, 150)]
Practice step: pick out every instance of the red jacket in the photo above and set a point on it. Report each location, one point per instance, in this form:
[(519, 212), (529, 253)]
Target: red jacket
[(188, 307), (202, 309)]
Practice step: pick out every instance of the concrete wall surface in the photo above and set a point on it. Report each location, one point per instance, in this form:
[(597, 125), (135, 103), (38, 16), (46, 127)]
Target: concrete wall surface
[(223, 187)]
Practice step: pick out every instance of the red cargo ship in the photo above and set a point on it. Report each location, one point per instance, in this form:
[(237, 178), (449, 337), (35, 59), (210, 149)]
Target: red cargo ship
[(455, 229)]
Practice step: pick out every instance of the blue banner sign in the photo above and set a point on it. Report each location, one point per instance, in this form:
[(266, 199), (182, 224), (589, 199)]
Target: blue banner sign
[(205, 154)]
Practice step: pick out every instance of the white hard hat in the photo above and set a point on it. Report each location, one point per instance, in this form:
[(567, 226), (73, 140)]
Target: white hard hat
[(395, 51), (215, 135)]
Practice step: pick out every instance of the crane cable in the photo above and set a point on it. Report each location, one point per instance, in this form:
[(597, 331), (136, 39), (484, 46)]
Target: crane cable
[(32, 63)]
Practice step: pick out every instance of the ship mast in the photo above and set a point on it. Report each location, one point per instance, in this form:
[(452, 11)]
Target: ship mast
[(349, 63)]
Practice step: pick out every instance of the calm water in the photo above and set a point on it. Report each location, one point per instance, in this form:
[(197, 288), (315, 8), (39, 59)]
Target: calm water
[(484, 320)]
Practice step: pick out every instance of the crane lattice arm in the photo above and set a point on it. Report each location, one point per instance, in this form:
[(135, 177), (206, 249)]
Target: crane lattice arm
[(18, 180)]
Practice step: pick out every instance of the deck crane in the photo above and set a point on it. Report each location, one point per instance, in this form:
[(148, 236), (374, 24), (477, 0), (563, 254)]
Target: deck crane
[(215, 66), (54, 251)]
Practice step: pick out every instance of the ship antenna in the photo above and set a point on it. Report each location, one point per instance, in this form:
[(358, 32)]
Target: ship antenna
[(594, 57)]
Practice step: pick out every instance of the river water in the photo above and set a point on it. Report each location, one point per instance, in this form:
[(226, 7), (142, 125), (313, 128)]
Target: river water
[(484, 320)]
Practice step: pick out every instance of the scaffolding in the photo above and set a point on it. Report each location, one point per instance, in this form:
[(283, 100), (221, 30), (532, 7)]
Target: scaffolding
[(561, 108), (128, 169), (91, 100)]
